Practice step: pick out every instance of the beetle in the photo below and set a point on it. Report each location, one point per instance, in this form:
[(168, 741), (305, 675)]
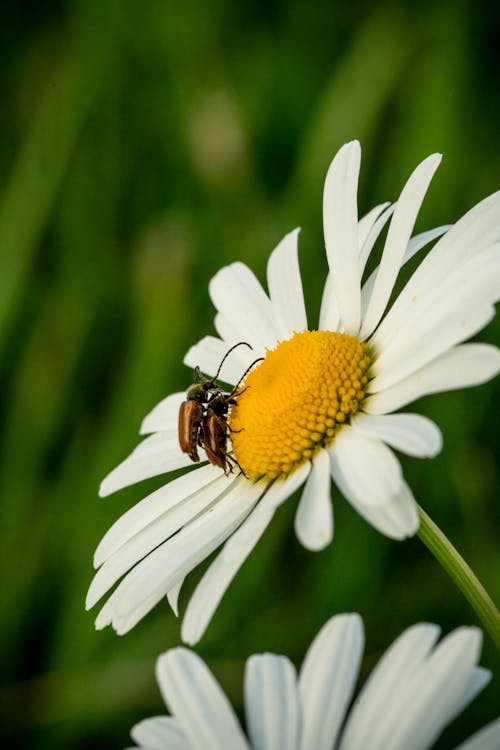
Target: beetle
[(215, 428), (215, 431), (192, 411)]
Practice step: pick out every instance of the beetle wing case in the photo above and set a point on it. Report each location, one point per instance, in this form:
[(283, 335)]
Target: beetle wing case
[(190, 419)]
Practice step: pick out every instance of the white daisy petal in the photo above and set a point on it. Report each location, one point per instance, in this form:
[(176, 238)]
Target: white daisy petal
[(417, 243), (340, 223), (474, 232), (416, 689), (200, 707), (398, 237), (441, 318), (173, 597), (412, 434), (238, 295), (150, 580), (158, 733), (285, 287), (460, 367), (397, 518), (412, 693), (164, 416), (208, 354), (421, 705), (272, 703), (154, 505), (370, 469), (157, 454), (366, 243), (151, 535), (488, 738), (396, 668), (369, 228), (314, 516), (221, 572), (477, 682), (329, 316), (226, 329), (368, 221), (327, 680)]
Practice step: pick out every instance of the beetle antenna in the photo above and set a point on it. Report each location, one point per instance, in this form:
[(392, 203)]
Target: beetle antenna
[(244, 376), (240, 343)]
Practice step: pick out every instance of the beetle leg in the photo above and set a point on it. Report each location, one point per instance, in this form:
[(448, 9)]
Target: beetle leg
[(229, 458)]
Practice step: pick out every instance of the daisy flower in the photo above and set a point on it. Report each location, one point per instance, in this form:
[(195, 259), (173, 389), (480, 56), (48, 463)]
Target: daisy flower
[(417, 688), (319, 407)]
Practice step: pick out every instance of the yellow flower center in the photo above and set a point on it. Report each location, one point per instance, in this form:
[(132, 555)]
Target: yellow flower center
[(296, 400)]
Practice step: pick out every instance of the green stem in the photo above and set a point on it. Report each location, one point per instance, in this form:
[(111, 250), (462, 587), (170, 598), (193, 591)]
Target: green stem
[(446, 554)]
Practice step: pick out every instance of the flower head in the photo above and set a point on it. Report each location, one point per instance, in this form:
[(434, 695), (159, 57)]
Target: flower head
[(320, 406), (414, 692)]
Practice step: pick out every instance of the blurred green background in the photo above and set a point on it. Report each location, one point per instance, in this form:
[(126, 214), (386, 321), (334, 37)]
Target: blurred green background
[(144, 145)]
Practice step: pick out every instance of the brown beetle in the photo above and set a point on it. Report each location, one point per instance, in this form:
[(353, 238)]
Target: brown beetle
[(215, 428), (215, 431), (192, 411)]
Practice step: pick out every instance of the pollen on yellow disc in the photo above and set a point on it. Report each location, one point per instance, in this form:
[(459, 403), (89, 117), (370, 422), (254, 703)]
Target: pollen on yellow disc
[(296, 400)]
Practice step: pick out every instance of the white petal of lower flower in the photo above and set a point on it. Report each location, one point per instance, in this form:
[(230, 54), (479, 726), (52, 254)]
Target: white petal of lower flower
[(208, 353), (150, 580), (422, 702), (327, 680), (164, 416), (151, 535), (222, 570), (397, 240), (461, 367), (478, 680), (476, 230), (392, 672), (285, 287), (200, 707), (272, 703), (488, 738), (442, 684), (158, 733), (154, 505), (157, 454), (414, 691), (412, 434), (314, 516), (340, 224), (370, 469), (237, 294)]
